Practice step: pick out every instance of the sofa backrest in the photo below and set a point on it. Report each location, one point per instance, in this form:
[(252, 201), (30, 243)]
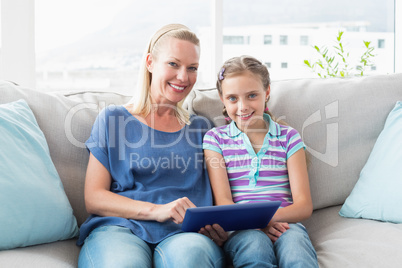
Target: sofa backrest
[(339, 120)]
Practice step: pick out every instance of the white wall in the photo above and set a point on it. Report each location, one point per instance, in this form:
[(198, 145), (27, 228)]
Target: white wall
[(17, 53), (398, 36)]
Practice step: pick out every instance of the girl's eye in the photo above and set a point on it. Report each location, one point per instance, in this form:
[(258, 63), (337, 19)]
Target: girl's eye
[(232, 99), (252, 96)]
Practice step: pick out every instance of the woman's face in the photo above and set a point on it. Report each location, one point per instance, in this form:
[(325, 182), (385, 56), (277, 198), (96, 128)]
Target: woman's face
[(174, 70)]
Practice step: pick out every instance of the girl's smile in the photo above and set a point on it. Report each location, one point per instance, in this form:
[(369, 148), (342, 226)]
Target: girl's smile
[(245, 116)]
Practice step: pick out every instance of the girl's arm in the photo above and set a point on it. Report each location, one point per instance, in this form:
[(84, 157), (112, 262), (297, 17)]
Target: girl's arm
[(218, 177), (221, 191), (302, 206), (101, 201)]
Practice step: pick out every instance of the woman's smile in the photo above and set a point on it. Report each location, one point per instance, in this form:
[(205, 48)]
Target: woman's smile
[(177, 88)]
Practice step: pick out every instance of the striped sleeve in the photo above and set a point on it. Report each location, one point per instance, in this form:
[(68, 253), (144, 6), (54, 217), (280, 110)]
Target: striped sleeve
[(294, 142), (210, 141)]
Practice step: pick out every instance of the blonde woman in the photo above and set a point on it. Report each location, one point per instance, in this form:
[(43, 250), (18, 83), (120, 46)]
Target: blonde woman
[(145, 168)]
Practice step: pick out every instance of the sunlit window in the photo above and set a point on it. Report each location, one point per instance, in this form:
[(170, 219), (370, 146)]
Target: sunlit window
[(267, 39), (381, 43), (233, 40), (287, 31), (283, 39), (304, 40), (98, 45)]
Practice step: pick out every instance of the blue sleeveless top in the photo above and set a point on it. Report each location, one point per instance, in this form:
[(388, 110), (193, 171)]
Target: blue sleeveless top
[(148, 165)]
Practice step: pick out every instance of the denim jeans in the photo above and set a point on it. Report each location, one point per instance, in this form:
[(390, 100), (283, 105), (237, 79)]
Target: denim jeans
[(253, 248), (113, 246)]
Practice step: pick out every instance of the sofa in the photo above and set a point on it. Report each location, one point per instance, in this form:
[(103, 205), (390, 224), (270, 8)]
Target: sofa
[(339, 120)]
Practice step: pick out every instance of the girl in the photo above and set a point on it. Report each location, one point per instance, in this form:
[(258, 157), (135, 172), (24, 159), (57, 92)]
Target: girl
[(255, 159)]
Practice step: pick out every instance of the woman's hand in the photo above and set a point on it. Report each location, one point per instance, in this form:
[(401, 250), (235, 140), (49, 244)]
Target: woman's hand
[(174, 210), (275, 229), (215, 233)]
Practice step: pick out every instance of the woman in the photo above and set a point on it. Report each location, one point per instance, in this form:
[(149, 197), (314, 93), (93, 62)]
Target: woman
[(145, 168)]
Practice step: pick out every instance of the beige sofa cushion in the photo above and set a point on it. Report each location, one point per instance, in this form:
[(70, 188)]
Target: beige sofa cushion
[(343, 242), (57, 254)]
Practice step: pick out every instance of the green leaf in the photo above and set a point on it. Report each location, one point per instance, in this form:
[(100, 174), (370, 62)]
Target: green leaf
[(340, 33)]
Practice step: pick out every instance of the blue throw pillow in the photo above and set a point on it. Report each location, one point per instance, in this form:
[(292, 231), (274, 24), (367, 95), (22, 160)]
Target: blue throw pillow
[(34, 208), (377, 194)]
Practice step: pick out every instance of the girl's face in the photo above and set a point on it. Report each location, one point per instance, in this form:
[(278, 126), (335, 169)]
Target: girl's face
[(244, 98), (174, 70)]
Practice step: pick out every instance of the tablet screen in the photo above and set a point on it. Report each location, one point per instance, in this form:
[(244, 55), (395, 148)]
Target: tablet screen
[(230, 217)]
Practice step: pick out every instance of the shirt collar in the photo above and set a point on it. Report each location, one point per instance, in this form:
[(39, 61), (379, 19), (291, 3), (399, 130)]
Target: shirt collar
[(273, 127)]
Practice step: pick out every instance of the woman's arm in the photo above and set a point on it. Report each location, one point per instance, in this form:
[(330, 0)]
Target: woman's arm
[(101, 201)]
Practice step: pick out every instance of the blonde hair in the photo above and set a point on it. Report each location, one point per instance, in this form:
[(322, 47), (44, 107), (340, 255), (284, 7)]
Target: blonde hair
[(238, 65), (143, 104)]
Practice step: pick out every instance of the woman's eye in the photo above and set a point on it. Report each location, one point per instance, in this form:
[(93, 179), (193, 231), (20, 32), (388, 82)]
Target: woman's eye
[(193, 69), (172, 64)]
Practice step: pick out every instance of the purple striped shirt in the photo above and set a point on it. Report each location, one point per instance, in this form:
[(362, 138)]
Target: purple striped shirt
[(256, 177)]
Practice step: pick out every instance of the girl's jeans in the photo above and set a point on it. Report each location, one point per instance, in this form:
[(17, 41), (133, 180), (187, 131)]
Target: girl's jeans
[(113, 246), (253, 248)]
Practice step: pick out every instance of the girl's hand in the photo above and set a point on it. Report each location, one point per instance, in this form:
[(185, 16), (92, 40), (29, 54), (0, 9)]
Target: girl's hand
[(275, 229), (174, 210), (215, 233)]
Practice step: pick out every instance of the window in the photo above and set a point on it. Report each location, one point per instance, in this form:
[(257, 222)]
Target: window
[(304, 40), (292, 28), (284, 65), (381, 43), (101, 47), (66, 59), (267, 39), (268, 64), (233, 40), (283, 39)]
